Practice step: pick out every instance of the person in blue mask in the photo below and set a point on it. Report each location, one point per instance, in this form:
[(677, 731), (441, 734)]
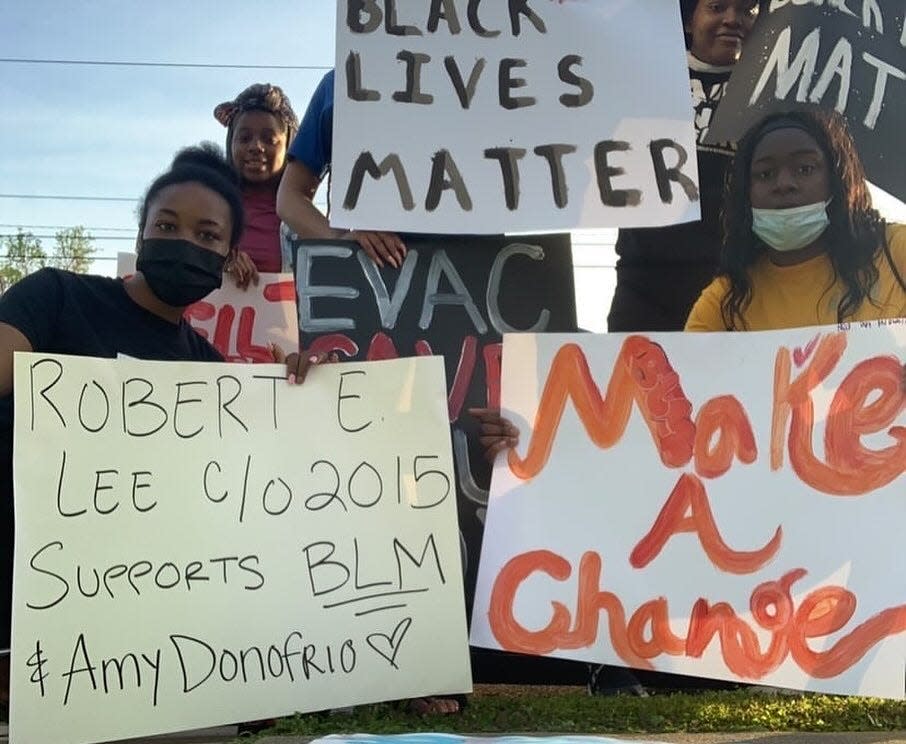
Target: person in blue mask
[(190, 222), (803, 245)]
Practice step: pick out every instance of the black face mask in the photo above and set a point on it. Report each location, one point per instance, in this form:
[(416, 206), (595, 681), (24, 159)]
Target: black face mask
[(178, 271)]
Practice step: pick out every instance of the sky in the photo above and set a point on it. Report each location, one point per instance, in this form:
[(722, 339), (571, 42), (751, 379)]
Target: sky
[(107, 131), (79, 130)]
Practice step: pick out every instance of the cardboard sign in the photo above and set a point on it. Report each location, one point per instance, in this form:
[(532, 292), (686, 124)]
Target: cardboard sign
[(498, 117), (849, 57), (455, 297), (198, 544), (721, 505), (241, 323)]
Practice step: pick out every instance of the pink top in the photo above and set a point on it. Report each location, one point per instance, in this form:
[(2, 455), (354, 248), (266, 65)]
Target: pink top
[(261, 237)]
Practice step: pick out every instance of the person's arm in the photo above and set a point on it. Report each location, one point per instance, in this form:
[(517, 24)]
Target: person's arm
[(295, 206), (29, 317), (295, 203), (706, 315), (11, 341)]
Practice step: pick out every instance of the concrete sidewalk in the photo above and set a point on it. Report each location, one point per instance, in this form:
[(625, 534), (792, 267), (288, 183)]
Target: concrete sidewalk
[(225, 734)]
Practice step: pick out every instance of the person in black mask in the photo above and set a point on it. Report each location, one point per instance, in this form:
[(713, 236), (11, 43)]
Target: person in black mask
[(190, 221)]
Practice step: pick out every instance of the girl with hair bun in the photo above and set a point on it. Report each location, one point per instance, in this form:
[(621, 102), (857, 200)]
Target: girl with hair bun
[(260, 124)]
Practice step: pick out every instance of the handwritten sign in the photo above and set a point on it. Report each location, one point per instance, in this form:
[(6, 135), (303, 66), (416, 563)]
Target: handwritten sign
[(202, 543), (845, 56), (241, 323), (497, 117), (722, 505), (454, 296)]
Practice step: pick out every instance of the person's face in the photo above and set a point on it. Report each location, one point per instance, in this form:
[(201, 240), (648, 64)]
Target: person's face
[(719, 28), (258, 147), (789, 169), (193, 212)]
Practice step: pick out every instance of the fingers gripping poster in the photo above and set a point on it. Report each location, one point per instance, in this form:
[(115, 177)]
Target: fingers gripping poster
[(498, 116), (199, 544), (720, 505)]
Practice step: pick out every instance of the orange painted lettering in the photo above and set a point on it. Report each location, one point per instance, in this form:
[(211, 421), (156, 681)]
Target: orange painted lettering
[(688, 510), (642, 375), (725, 418)]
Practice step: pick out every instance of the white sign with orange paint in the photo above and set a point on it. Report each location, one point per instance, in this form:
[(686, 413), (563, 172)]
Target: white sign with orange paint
[(726, 506)]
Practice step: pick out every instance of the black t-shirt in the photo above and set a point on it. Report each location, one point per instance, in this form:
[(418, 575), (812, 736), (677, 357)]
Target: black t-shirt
[(64, 313), (691, 242)]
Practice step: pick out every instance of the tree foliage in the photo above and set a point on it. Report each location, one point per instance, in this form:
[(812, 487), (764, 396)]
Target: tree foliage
[(22, 253)]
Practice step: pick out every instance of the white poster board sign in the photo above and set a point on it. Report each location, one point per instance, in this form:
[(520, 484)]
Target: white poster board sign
[(720, 505), (240, 323), (199, 544), (496, 117)]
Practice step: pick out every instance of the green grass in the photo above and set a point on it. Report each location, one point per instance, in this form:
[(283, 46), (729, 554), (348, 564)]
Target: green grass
[(509, 709)]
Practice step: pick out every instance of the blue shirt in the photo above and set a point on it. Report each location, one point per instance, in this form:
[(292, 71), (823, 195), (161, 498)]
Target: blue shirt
[(313, 145)]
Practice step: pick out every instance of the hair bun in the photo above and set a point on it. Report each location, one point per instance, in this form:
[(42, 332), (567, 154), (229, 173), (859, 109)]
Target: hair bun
[(205, 155)]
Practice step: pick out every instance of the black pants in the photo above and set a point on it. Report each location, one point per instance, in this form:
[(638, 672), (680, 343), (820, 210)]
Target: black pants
[(656, 297)]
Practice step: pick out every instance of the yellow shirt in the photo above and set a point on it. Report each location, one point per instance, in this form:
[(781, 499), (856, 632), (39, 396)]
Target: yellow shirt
[(805, 294)]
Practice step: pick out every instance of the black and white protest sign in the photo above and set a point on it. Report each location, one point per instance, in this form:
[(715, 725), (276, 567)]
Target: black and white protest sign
[(501, 116), (453, 296), (849, 56)]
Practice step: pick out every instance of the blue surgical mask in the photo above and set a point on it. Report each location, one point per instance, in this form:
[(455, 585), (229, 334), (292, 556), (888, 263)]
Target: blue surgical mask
[(791, 229)]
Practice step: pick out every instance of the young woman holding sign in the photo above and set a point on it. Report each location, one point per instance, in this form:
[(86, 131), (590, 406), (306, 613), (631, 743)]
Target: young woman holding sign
[(260, 125), (661, 271), (189, 225), (803, 244)]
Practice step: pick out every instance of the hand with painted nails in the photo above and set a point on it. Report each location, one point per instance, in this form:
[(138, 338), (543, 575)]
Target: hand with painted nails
[(497, 433), (380, 246), (243, 270), (297, 365)]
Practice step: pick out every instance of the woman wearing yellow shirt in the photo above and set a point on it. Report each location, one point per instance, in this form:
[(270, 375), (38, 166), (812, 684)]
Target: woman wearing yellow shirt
[(802, 244)]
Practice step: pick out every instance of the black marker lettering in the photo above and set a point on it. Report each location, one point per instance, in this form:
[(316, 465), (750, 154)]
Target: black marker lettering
[(586, 89), (365, 163), (509, 158), (506, 82), (609, 196), (665, 175), (413, 92)]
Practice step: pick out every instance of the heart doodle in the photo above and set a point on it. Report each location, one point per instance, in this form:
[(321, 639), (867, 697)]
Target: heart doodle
[(392, 642), (800, 355)]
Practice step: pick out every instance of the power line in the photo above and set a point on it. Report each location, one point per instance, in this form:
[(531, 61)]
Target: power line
[(87, 237), (55, 257), (123, 63), (69, 197), (65, 227), (76, 197)]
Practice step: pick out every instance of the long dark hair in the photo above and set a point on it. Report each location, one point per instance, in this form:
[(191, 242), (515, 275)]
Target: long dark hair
[(853, 239)]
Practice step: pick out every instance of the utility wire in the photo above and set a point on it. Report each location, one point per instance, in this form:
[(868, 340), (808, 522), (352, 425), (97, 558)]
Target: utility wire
[(65, 227), (123, 63), (69, 197), (54, 257), (87, 237)]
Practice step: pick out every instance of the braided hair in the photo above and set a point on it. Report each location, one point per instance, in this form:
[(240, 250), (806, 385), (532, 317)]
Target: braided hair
[(258, 97)]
